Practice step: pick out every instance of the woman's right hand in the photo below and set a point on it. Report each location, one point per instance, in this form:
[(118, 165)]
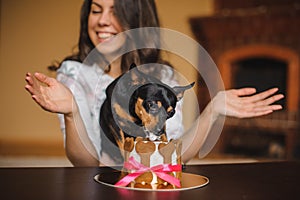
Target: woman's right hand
[(49, 93)]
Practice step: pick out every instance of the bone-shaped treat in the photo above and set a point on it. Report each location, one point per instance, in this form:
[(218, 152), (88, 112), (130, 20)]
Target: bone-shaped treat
[(166, 150), (128, 147), (178, 150), (145, 149), (144, 178), (139, 139)]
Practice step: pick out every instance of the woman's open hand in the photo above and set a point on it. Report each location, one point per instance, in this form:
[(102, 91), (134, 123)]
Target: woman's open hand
[(245, 103), (49, 93)]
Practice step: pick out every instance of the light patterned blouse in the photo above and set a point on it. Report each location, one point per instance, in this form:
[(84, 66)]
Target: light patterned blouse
[(88, 85)]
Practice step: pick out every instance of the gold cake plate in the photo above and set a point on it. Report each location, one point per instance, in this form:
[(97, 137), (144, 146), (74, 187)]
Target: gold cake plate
[(188, 181)]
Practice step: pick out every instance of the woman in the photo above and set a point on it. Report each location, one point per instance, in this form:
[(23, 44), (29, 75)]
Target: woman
[(72, 94)]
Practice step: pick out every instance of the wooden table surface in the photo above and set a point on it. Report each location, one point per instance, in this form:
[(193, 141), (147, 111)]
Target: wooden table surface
[(272, 180)]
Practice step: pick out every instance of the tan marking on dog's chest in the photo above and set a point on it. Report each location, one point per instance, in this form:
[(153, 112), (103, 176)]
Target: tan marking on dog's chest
[(147, 119)]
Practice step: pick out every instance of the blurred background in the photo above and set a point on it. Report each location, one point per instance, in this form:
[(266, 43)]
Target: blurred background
[(254, 43)]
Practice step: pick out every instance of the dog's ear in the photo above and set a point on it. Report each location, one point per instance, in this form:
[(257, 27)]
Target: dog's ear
[(136, 76), (179, 90)]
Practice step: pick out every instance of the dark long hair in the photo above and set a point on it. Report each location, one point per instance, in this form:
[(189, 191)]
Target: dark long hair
[(131, 14)]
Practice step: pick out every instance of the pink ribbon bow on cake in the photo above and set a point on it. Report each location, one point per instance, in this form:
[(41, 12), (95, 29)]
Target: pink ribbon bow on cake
[(160, 171)]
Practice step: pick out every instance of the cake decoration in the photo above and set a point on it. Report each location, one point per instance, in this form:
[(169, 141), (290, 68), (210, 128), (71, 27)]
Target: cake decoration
[(151, 164)]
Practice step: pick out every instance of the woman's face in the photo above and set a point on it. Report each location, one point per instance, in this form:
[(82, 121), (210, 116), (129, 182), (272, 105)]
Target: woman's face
[(103, 25)]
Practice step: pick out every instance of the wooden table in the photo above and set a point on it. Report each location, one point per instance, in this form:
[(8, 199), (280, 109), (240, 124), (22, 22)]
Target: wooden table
[(274, 180)]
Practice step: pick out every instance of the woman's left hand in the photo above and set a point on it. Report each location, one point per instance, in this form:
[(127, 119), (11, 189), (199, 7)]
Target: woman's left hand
[(244, 103)]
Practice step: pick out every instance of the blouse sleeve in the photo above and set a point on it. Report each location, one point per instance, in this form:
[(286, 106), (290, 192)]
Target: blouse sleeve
[(70, 74)]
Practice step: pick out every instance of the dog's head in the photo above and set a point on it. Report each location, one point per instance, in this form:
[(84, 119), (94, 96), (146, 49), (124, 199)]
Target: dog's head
[(152, 104), (142, 104)]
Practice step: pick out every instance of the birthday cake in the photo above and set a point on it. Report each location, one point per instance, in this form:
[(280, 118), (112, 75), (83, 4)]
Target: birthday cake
[(151, 164)]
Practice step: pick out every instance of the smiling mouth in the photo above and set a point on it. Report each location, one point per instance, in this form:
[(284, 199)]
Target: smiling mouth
[(105, 36)]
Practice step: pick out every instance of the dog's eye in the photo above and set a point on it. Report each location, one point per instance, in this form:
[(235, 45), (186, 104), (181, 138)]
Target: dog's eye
[(152, 105)]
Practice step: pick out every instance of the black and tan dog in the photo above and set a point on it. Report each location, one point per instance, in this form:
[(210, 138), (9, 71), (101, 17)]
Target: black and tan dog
[(136, 105)]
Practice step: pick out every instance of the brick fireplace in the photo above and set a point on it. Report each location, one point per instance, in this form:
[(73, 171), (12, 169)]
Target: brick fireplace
[(256, 44)]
